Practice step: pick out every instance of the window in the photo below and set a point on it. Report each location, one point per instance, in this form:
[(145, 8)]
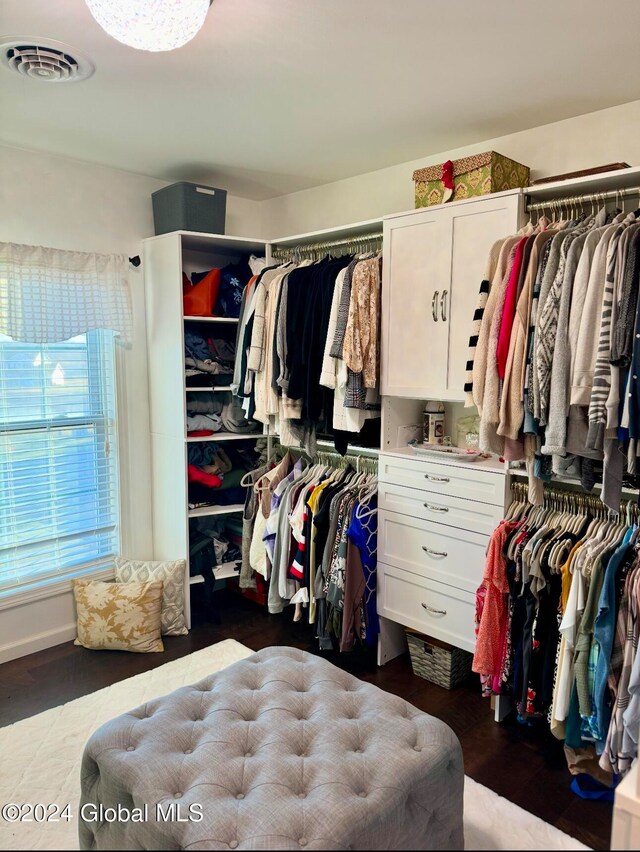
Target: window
[(58, 459)]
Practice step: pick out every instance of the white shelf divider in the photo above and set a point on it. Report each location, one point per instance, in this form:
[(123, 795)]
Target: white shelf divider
[(225, 436), (206, 511), (221, 572), (585, 185), (214, 389), (227, 320), (227, 570)]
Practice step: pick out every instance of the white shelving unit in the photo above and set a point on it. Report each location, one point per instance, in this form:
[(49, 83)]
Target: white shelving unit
[(165, 258)]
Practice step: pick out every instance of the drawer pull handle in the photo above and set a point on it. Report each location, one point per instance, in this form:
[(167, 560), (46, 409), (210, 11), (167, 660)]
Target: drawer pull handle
[(434, 552), (434, 305), (436, 508), (442, 305), (433, 478), (433, 609)]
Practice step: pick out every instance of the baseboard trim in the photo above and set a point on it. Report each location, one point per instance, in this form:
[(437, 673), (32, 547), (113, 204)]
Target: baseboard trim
[(37, 642)]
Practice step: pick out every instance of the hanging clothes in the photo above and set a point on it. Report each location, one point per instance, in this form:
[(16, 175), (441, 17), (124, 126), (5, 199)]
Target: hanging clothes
[(313, 535), (563, 582), (551, 346), (307, 348)]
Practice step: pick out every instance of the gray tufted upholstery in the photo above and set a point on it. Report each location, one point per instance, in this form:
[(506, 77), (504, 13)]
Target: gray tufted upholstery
[(283, 751)]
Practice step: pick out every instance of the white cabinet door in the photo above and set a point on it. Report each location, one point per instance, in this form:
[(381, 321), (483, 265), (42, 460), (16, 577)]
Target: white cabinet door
[(474, 229), (416, 269), (433, 264)]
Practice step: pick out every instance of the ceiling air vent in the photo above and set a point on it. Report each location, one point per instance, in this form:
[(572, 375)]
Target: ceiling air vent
[(46, 61)]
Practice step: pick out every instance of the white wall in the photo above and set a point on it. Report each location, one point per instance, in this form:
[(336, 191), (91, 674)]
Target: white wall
[(63, 203), (607, 136)]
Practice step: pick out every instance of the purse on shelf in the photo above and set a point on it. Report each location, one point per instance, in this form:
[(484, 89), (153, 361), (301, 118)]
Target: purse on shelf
[(199, 299)]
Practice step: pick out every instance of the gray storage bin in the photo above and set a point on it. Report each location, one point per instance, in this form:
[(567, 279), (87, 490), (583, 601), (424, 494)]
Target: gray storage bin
[(187, 206)]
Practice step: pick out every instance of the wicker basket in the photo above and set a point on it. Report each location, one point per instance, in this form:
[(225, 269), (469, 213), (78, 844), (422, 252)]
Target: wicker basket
[(438, 662), (472, 176)]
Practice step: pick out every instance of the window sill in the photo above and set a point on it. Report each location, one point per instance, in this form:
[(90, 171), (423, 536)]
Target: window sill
[(52, 588)]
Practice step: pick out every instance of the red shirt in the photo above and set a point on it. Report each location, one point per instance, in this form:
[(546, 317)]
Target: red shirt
[(509, 310)]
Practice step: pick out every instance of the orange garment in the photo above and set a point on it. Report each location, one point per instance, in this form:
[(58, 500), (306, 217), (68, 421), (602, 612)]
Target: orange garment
[(249, 286), (495, 587), (199, 301)]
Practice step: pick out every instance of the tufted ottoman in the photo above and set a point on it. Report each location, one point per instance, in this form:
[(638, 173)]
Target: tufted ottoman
[(279, 751)]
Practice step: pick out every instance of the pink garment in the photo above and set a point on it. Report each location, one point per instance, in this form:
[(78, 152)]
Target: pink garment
[(487, 659), (509, 310)]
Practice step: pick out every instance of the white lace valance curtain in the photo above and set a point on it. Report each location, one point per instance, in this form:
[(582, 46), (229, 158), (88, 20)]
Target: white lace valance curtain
[(48, 295)]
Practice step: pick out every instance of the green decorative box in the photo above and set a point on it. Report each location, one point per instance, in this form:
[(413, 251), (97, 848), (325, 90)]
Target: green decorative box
[(481, 174)]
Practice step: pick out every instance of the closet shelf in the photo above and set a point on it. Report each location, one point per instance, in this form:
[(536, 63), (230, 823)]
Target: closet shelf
[(221, 572), (572, 480), (586, 185), (205, 511), (225, 436), (211, 319), (209, 389), (493, 464), (355, 230)]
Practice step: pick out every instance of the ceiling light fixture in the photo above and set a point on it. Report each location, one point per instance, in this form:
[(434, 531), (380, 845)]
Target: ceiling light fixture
[(150, 24)]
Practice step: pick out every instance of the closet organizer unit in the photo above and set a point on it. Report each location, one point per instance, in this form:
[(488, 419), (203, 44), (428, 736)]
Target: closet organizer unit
[(435, 517), (166, 258)]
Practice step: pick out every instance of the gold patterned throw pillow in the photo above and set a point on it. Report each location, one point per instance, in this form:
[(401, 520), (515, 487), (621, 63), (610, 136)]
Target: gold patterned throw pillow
[(172, 575), (118, 616)]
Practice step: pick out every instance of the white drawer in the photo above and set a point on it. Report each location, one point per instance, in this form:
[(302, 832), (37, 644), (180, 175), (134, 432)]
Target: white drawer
[(434, 551), (469, 482), (481, 518), (432, 608)]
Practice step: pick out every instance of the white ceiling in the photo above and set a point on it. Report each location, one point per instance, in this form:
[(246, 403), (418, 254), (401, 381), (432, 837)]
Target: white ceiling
[(273, 96)]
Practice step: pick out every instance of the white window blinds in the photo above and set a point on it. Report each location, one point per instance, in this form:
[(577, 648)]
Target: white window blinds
[(60, 313), (58, 466)]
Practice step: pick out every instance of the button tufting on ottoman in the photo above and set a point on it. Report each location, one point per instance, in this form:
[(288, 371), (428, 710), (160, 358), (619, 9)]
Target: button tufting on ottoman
[(362, 770)]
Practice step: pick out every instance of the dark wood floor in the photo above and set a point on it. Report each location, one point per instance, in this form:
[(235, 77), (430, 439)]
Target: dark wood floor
[(524, 765)]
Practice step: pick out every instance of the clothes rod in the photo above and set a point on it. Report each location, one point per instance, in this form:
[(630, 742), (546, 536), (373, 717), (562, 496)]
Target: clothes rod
[(550, 203), (355, 240), (354, 450)]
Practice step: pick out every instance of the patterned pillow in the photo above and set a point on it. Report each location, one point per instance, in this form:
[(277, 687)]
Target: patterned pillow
[(172, 575), (118, 616)]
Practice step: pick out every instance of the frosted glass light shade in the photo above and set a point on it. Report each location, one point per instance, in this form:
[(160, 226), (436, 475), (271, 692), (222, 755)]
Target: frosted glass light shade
[(150, 24)]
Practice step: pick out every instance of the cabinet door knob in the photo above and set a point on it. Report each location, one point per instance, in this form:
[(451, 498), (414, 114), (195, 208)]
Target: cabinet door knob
[(443, 304), (433, 609), (434, 552), (434, 305), (433, 478), (436, 508)]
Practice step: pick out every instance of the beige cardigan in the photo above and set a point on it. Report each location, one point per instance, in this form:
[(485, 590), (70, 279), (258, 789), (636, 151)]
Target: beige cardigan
[(496, 297)]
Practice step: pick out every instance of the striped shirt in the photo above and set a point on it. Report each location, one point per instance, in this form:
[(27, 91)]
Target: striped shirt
[(478, 314), (602, 372)]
